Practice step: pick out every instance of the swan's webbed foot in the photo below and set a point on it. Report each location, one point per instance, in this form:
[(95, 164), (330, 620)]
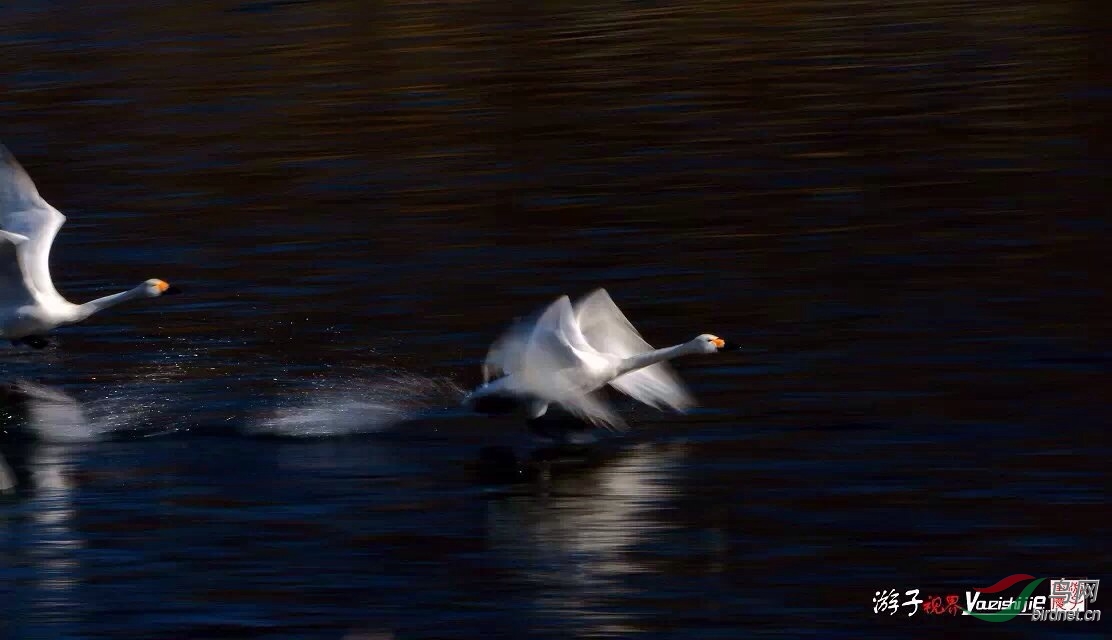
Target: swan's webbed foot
[(35, 342)]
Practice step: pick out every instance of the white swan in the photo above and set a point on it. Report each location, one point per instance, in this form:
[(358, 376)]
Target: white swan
[(29, 304), (567, 354)]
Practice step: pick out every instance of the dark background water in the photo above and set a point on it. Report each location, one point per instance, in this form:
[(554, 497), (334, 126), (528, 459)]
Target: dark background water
[(898, 206)]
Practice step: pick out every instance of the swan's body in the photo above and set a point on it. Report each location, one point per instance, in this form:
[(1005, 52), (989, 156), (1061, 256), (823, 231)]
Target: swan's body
[(30, 306), (568, 353)]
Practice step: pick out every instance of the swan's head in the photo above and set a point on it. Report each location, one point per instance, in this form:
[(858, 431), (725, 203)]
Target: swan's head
[(710, 343), (155, 287)]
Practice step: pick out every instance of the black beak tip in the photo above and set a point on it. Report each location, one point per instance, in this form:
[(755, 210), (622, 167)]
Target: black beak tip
[(730, 346), (171, 291)]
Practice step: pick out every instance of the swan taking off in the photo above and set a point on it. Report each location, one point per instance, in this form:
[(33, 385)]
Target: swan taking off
[(568, 353), (30, 306)]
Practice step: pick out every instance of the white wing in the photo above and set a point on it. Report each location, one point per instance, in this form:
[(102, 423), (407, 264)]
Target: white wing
[(24, 212), (608, 331), (593, 408), (556, 340), (507, 352), (559, 366), (16, 289)]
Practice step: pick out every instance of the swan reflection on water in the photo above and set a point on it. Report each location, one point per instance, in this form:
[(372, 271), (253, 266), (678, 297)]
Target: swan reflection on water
[(34, 416), (43, 431), (38, 435), (49, 414), (591, 521)]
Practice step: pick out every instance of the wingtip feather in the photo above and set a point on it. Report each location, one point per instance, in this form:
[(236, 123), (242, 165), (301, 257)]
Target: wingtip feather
[(7, 158)]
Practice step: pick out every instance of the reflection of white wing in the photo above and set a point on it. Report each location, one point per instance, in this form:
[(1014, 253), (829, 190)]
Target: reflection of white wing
[(608, 331), (592, 522), (54, 416), (558, 365), (7, 478), (24, 212)]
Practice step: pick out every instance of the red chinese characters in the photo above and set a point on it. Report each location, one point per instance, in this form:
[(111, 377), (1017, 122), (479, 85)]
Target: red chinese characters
[(934, 604)]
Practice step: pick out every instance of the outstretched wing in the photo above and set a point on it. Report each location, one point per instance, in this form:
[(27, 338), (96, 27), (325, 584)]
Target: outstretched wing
[(24, 212), (556, 341), (507, 352), (592, 408), (608, 331), (16, 289), (556, 362)]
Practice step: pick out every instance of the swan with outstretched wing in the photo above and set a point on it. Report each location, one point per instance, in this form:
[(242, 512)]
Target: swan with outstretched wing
[(567, 354), (30, 306)]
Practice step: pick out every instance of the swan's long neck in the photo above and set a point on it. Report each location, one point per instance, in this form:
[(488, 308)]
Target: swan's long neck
[(649, 358), (100, 304)]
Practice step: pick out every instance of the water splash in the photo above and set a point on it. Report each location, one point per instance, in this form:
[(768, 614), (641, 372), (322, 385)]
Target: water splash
[(349, 406), (52, 415)]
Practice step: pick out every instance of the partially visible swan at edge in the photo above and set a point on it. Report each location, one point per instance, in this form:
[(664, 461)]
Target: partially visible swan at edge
[(568, 353), (30, 306)]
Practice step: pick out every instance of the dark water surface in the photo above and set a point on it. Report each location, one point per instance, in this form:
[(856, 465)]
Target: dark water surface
[(898, 206)]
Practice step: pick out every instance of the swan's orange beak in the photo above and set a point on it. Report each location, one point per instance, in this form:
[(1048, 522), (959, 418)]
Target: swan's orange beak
[(165, 289), (719, 342)]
